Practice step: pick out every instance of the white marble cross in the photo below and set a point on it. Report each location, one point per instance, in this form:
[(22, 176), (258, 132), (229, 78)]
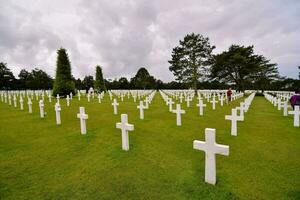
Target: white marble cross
[(201, 106), (125, 127), (222, 100), (89, 97), (188, 101), (214, 103), (141, 107), (83, 117), (9, 100), (170, 103), (180, 98), (57, 98), (78, 95), (178, 112), (49, 98), (234, 118), (71, 95), (68, 100), (41, 105), (241, 109), (285, 109), (279, 104), (57, 113), (211, 148), (29, 105), (115, 105), (15, 101), (21, 103), (296, 113), (147, 101)]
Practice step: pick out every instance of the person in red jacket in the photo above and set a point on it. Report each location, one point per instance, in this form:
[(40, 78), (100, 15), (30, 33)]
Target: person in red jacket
[(229, 93)]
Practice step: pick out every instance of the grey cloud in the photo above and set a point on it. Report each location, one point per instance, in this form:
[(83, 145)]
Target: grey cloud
[(125, 35)]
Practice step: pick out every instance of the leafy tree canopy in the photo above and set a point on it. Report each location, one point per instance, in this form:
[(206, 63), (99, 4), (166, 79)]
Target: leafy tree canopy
[(190, 58)]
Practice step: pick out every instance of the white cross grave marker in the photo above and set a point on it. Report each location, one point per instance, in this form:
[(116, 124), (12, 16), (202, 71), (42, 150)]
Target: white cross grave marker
[(21, 103), (125, 127), (15, 101), (83, 117), (201, 106), (29, 105), (211, 148), (57, 113), (178, 112), (68, 100), (296, 113), (141, 107), (285, 109), (214, 103), (115, 105), (57, 98), (170, 103), (234, 118), (41, 105)]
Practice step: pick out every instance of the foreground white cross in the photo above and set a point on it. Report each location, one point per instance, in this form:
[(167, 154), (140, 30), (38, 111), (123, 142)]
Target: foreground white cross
[(41, 104), (234, 118), (141, 107), (211, 148), (115, 105), (201, 106), (125, 127), (178, 112), (296, 113), (82, 116)]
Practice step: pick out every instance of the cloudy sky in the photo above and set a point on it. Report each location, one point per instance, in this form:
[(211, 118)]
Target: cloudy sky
[(123, 35)]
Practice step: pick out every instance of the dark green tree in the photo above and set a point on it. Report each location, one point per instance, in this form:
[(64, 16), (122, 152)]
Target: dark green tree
[(99, 84), (7, 78), (63, 83), (123, 83), (88, 82), (143, 80), (240, 66), (25, 79), (41, 80), (191, 58)]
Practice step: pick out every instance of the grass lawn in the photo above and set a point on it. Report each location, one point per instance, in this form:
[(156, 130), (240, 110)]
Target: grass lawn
[(40, 160)]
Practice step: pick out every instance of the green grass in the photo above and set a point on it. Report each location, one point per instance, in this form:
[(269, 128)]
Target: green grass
[(40, 160)]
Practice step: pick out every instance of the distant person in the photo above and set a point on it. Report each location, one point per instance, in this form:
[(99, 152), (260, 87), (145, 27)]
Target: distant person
[(229, 94), (295, 99)]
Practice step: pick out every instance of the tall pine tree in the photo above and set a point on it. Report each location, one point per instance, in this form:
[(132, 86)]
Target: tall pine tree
[(63, 84), (99, 82)]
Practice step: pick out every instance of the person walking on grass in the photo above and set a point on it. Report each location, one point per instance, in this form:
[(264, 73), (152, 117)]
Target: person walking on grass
[(295, 99), (229, 94)]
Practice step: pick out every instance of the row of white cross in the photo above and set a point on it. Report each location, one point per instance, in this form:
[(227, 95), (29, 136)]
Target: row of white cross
[(281, 102), (210, 147)]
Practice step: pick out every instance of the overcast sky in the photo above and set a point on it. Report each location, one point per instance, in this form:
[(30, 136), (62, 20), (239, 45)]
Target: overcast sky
[(124, 35)]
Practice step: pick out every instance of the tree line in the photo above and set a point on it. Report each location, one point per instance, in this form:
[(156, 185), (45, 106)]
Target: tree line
[(192, 63)]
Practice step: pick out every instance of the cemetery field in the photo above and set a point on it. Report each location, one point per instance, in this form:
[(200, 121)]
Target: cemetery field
[(41, 160)]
